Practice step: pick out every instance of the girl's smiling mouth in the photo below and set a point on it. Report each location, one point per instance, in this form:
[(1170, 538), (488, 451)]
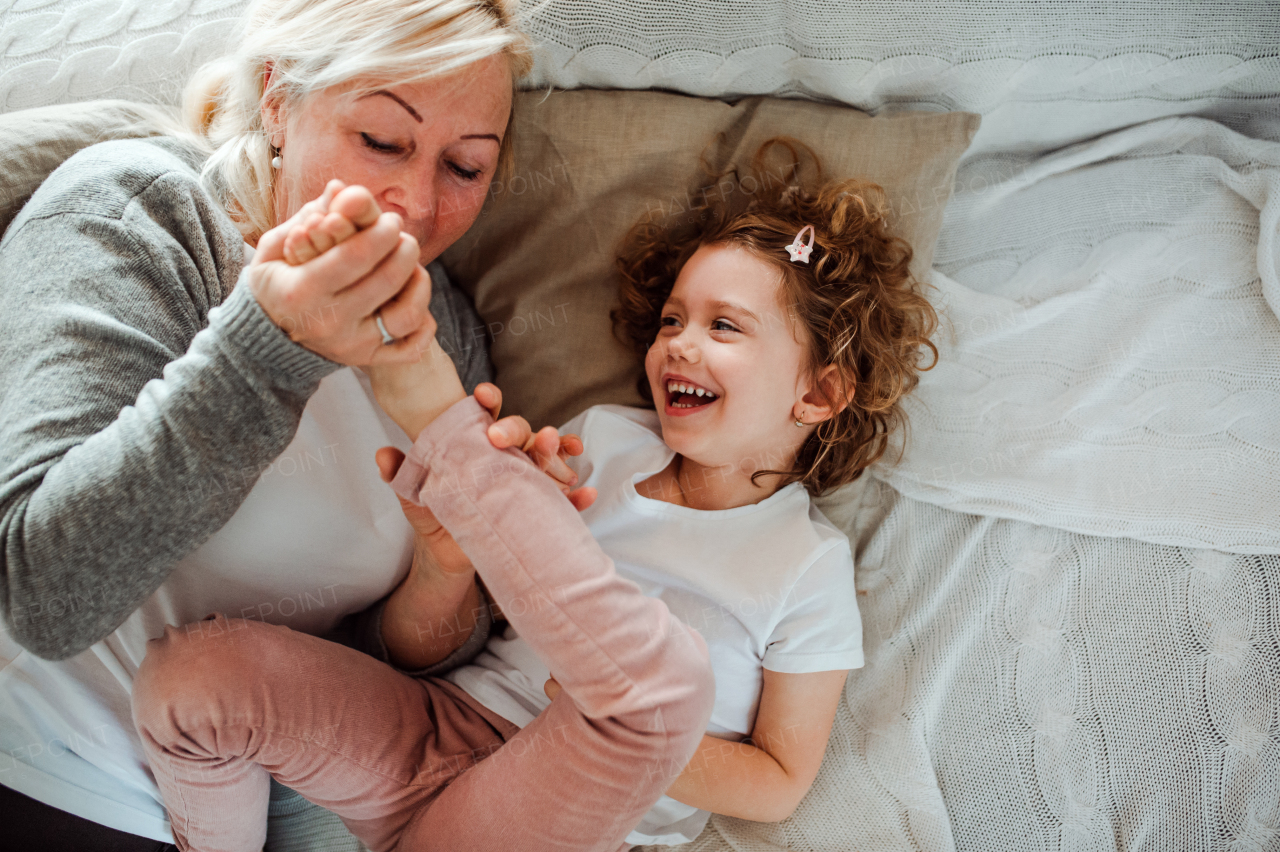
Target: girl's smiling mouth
[(686, 397)]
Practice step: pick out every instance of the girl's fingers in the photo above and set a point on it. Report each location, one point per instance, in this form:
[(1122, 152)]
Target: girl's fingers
[(271, 244), (551, 688), (335, 216), (369, 268), (542, 448), (331, 190), (545, 453), (300, 245), (389, 460), (570, 445), (582, 498), (490, 397), (512, 431)]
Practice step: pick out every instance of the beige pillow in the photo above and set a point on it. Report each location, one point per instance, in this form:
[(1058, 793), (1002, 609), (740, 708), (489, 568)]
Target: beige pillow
[(34, 142), (589, 164), (539, 261)]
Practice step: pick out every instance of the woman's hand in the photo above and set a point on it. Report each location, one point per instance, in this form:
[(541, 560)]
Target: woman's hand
[(447, 556), (327, 304)]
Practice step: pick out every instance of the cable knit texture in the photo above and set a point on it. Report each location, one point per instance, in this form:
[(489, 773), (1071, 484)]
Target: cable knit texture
[(1085, 656)]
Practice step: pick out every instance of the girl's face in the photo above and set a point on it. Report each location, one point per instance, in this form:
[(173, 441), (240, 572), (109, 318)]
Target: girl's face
[(725, 333), (427, 151)]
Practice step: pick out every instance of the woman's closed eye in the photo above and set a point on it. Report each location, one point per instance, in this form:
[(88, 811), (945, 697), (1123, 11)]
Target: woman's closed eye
[(381, 147), (394, 149), (465, 174)]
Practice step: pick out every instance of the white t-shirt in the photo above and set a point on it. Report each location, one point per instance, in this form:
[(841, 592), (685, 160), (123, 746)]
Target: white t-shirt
[(319, 536), (769, 586)]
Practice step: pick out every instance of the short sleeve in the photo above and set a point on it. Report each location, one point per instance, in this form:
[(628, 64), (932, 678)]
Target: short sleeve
[(820, 629)]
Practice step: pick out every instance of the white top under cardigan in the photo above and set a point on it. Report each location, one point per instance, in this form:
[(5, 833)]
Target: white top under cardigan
[(319, 536)]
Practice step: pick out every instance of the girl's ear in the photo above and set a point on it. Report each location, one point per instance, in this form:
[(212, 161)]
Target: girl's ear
[(272, 109), (816, 405)]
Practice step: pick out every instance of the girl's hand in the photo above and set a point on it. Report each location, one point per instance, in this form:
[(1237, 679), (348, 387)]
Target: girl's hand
[(446, 555), (327, 303), (548, 449)]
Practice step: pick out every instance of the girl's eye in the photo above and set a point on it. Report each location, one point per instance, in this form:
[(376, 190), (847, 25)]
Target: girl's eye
[(670, 321), (381, 147), (465, 174), (722, 325)]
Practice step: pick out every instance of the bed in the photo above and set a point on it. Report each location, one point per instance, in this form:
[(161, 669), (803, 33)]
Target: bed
[(1071, 579)]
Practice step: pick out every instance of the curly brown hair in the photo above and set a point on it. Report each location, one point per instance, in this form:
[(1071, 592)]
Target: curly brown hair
[(858, 305)]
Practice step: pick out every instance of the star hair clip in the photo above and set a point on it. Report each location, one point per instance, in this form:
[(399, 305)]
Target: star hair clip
[(798, 249)]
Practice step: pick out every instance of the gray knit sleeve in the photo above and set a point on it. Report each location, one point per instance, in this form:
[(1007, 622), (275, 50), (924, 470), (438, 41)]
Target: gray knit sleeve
[(128, 387)]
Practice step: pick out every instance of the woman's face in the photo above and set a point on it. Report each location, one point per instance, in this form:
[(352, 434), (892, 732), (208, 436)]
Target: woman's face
[(427, 151)]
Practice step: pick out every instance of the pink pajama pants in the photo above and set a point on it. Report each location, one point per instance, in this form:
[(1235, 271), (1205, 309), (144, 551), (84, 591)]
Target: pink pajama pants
[(419, 765)]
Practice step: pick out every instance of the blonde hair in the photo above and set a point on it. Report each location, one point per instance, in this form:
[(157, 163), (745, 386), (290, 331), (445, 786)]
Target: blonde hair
[(312, 45)]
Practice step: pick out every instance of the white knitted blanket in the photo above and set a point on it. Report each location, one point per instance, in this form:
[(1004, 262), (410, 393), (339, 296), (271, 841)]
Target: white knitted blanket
[(1055, 662), (1113, 365)]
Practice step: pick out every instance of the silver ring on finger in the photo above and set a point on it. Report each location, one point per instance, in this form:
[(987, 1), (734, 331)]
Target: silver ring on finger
[(386, 335)]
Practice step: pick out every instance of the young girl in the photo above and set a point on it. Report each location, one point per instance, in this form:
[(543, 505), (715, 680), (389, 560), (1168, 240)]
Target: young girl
[(778, 338)]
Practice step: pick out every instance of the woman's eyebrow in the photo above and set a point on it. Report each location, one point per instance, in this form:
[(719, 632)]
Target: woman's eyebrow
[(413, 112)]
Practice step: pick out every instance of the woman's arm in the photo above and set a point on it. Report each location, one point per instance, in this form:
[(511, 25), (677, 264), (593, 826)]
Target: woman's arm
[(431, 613), (128, 435), (764, 778), (435, 610), (142, 396)]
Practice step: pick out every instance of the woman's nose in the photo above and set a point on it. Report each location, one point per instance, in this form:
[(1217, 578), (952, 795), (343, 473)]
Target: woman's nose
[(414, 198)]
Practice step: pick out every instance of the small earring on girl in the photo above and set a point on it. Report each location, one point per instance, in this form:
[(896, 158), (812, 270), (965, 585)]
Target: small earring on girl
[(799, 252), (276, 162)]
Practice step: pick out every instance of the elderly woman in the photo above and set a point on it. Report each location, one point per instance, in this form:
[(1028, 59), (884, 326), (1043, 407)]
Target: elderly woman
[(180, 432)]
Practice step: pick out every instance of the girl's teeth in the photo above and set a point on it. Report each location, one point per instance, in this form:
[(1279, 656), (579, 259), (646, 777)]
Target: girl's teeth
[(678, 387)]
